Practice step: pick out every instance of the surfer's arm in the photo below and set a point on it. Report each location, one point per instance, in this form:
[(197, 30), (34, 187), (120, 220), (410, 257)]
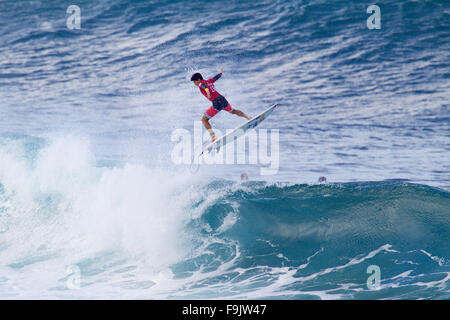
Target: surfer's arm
[(217, 76)]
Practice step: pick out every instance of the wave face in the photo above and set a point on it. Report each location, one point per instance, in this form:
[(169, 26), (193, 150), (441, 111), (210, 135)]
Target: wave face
[(92, 205), (71, 229)]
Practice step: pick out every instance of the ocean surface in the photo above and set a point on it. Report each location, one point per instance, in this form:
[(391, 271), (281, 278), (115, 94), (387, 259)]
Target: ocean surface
[(93, 205)]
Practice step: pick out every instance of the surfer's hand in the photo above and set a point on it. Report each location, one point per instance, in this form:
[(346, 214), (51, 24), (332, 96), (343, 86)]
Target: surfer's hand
[(221, 70)]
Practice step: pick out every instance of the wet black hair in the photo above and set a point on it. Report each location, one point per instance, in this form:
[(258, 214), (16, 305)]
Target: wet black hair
[(196, 76)]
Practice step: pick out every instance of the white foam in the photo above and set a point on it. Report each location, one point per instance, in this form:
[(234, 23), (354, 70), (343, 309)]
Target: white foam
[(62, 210)]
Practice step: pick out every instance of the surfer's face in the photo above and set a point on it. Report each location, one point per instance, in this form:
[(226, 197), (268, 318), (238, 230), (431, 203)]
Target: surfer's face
[(197, 82)]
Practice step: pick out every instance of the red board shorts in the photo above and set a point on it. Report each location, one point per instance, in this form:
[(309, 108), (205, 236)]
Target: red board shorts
[(211, 112), (219, 104)]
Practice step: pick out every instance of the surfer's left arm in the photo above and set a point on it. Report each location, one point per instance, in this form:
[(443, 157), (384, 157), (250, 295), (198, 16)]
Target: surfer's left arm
[(217, 76)]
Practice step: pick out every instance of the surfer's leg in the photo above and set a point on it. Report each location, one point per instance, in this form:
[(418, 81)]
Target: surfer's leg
[(238, 113), (210, 112), (205, 121)]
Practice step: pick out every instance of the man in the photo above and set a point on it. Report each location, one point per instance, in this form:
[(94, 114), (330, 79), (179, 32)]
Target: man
[(218, 101)]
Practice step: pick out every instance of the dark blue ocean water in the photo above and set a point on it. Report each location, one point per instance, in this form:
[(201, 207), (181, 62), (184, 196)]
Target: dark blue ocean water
[(92, 204)]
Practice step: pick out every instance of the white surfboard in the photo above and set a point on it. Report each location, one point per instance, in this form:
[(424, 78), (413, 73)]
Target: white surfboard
[(239, 131)]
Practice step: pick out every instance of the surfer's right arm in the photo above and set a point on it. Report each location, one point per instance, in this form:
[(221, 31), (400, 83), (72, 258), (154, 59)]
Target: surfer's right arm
[(205, 87)]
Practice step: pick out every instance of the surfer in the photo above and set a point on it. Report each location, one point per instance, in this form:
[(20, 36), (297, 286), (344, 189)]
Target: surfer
[(218, 101)]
